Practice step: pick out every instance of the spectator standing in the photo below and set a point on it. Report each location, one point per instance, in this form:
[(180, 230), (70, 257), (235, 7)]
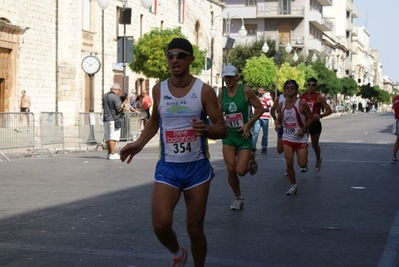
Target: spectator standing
[(24, 107), (315, 101), (147, 103), (113, 107), (132, 100), (236, 102), (295, 117), (263, 122), (181, 106), (395, 109)]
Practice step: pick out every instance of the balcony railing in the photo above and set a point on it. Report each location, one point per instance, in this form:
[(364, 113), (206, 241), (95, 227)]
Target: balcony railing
[(275, 11)]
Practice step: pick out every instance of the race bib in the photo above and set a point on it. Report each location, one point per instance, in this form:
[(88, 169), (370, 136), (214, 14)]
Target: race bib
[(290, 128), (234, 120), (181, 141)]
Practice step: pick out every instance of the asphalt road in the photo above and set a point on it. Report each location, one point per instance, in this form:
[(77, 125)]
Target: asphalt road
[(80, 209)]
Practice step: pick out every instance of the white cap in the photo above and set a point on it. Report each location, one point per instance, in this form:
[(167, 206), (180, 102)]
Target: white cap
[(229, 70)]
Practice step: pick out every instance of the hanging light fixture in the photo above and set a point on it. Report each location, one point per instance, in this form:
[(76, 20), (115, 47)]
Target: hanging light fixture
[(314, 57), (103, 4), (265, 47), (295, 57), (242, 32), (288, 48), (146, 3)]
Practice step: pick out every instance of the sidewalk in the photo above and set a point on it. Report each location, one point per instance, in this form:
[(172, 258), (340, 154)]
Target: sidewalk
[(73, 144)]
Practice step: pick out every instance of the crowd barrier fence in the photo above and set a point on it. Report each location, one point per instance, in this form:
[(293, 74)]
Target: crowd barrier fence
[(90, 126), (17, 130), (51, 130)]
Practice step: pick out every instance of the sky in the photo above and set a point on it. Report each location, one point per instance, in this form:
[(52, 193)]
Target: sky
[(381, 19)]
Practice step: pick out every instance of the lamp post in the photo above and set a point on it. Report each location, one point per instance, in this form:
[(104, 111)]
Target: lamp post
[(103, 4), (288, 49), (230, 41)]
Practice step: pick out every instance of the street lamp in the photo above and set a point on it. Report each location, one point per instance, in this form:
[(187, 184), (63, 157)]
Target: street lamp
[(103, 4), (295, 57), (230, 41), (288, 47)]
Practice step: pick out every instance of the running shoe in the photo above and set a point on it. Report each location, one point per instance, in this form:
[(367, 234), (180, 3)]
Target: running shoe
[(394, 160), (17, 130), (318, 165), (292, 191), (114, 156), (181, 261), (254, 166), (238, 204), (304, 169)]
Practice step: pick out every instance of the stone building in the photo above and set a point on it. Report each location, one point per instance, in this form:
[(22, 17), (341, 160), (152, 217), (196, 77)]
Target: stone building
[(43, 43)]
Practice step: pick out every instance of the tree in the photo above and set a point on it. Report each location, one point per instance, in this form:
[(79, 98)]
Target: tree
[(242, 52), (149, 54), (384, 97), (327, 80), (349, 86), (260, 71), (367, 91), (286, 72)]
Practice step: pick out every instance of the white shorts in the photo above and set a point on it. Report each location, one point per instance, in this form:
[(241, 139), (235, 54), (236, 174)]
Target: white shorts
[(110, 133)]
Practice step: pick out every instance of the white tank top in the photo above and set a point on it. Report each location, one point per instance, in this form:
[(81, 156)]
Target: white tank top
[(293, 121), (177, 140)]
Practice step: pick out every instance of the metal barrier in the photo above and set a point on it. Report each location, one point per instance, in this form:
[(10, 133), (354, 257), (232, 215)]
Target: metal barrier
[(130, 127), (17, 130), (90, 129), (51, 130)]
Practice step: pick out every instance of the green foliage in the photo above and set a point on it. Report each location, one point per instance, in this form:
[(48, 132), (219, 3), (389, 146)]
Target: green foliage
[(367, 91), (327, 80), (349, 86), (149, 54), (384, 97), (286, 72), (260, 71)]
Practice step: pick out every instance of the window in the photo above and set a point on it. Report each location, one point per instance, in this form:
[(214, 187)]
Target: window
[(252, 29), (251, 2), (284, 6)]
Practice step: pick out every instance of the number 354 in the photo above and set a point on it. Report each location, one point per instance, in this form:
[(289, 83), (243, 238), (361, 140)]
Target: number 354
[(182, 147)]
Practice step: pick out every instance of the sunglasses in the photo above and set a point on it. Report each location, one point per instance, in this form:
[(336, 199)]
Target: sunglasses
[(312, 84), (178, 55)]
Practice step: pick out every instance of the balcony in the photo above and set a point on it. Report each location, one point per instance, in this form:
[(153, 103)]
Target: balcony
[(351, 8), (317, 20), (277, 12), (349, 26), (325, 2), (245, 12), (315, 45)]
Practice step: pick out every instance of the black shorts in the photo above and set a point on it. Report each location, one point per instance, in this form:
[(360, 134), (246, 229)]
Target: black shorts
[(23, 109), (315, 128), (148, 114)]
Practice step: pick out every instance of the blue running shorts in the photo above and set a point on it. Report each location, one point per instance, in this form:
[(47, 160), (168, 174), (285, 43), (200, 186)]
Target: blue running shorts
[(184, 176)]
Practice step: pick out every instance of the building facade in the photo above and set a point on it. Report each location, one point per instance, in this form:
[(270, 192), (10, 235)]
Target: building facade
[(43, 43)]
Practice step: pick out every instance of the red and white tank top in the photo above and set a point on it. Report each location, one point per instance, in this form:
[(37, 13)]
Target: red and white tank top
[(293, 121)]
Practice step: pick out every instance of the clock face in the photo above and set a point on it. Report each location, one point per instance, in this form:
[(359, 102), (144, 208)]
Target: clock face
[(91, 65)]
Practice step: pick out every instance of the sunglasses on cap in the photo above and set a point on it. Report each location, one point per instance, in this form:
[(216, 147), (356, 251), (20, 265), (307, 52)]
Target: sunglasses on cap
[(178, 55), (312, 84)]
